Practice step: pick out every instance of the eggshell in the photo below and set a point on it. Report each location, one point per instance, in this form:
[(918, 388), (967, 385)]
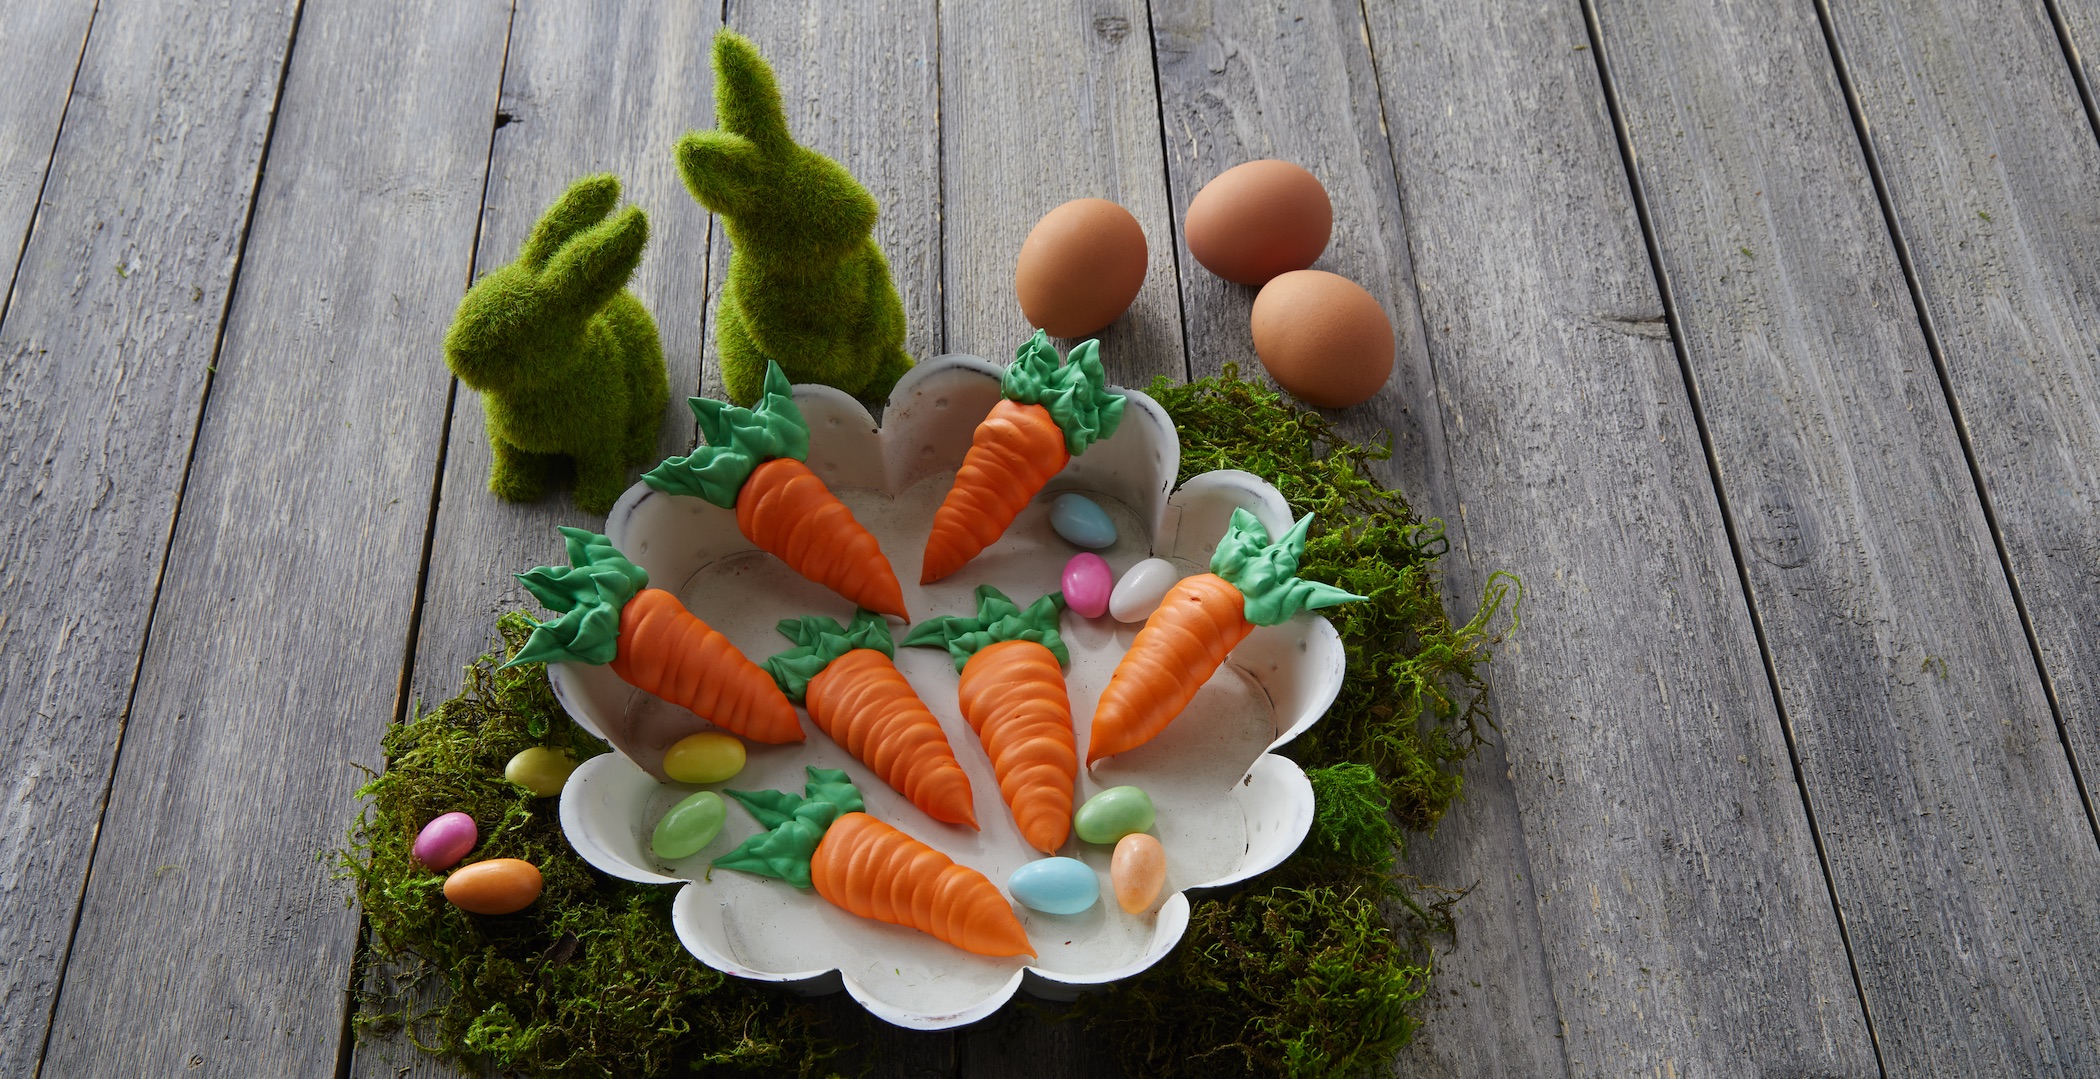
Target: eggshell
[(1080, 267), (496, 886), (1323, 338), (1257, 220)]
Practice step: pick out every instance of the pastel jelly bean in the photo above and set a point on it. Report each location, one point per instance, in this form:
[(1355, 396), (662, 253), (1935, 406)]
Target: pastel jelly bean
[(706, 757), (1137, 870), (496, 886), (1087, 583), (1055, 885), (445, 840), (690, 825), (1138, 594), (1113, 814), (540, 770), (1082, 521)]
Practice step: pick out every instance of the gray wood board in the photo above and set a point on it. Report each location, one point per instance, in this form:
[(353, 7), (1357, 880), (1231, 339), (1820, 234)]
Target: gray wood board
[(1241, 81), (1687, 925), (107, 349), (41, 45), (569, 68), (858, 84), (213, 938), (1954, 837), (1992, 171), (1041, 104)]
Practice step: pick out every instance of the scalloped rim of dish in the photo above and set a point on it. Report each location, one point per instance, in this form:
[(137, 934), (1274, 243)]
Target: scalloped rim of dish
[(1298, 665)]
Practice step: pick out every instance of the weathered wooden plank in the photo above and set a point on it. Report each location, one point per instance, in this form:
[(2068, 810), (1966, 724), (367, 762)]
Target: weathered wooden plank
[(210, 937), (858, 83), (1687, 926), (570, 67), (107, 346), (41, 46), (1991, 169), (1040, 104), (1240, 81), (1953, 833)]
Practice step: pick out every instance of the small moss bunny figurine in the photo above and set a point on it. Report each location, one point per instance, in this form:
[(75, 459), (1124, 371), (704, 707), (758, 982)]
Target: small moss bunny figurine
[(807, 287), (566, 359)]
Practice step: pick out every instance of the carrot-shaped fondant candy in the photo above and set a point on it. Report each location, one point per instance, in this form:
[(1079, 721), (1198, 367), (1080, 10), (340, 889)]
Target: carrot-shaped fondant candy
[(752, 463), (1013, 693), (610, 616), (846, 676), (861, 865), (1251, 582), (1046, 414)]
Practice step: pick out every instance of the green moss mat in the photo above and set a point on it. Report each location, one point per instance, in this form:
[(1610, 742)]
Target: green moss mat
[(1312, 969)]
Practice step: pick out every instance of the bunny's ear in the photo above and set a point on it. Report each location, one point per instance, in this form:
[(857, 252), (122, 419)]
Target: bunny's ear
[(724, 172), (592, 268), (747, 102), (584, 204)]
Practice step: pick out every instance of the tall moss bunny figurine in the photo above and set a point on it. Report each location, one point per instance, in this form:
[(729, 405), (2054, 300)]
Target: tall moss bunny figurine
[(807, 287), (566, 359)]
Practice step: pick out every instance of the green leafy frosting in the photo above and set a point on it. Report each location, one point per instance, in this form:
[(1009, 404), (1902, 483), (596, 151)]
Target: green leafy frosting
[(794, 825), (738, 440), (1267, 573), (589, 592), (1076, 394), (998, 619), (818, 641)]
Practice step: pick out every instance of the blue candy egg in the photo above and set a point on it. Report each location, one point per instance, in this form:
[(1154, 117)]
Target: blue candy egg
[(1081, 522), (1055, 885)]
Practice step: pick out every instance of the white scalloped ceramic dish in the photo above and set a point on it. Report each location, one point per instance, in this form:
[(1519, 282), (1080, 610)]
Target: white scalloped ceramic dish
[(1228, 808)]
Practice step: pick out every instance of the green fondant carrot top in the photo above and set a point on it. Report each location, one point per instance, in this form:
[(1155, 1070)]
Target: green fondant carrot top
[(1267, 573), (590, 592), (794, 825), (818, 641), (1076, 395), (998, 619), (738, 440)]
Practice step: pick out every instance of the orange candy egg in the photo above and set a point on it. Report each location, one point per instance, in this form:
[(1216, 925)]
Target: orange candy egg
[(1080, 267), (1137, 870), (496, 886)]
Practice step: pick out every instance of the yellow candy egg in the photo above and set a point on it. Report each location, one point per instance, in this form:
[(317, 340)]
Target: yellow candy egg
[(706, 757), (540, 770), (1137, 870)]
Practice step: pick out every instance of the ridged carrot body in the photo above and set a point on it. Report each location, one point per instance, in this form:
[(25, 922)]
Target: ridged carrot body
[(788, 512), (1014, 452), (1013, 695), (871, 869), (1201, 619), (665, 650), (863, 702)]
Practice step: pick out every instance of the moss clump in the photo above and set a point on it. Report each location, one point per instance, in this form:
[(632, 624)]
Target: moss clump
[(589, 980)]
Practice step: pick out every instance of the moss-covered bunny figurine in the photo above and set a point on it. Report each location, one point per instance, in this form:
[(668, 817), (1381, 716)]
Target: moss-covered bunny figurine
[(807, 287), (566, 359)]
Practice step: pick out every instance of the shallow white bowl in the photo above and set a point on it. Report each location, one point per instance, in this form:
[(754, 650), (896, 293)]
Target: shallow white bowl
[(1228, 808)]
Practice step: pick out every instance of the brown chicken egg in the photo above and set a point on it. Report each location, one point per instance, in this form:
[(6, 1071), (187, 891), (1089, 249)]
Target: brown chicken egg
[(1323, 338), (1080, 267), (1258, 220)]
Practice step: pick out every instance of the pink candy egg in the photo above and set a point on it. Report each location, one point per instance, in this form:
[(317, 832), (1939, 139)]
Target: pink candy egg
[(444, 841), (1137, 870), (1087, 584)]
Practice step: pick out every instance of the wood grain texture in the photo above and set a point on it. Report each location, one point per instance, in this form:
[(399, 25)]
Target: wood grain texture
[(1243, 80), (1042, 103), (105, 353), (1993, 174), (212, 939), (1686, 922), (40, 49), (858, 83), (1956, 843)]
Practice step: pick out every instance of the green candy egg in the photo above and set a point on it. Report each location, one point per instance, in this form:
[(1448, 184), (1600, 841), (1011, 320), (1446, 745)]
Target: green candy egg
[(689, 826), (706, 757), (540, 770), (1113, 814)]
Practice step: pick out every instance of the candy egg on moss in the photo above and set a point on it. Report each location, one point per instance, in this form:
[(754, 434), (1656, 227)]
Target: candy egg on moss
[(540, 770), (445, 840), (496, 886)]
